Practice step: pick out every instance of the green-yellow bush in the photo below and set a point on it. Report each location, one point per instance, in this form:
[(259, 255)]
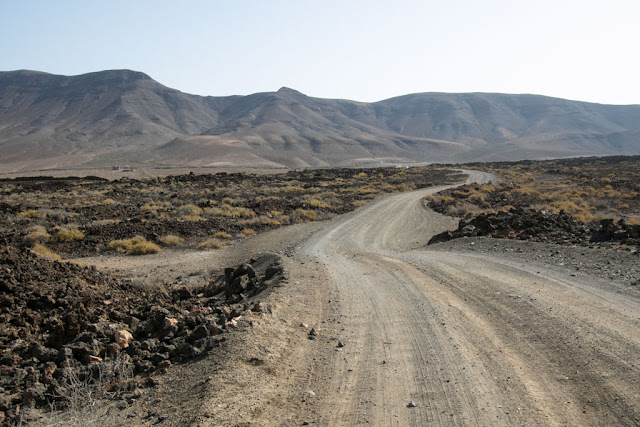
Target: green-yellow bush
[(213, 244), (189, 210), (304, 215), (44, 252), (36, 234), (247, 232), (317, 203), (32, 213), (66, 235), (137, 245), (144, 248), (170, 240)]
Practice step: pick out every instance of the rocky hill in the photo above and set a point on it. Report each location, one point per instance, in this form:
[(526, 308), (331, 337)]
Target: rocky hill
[(117, 116)]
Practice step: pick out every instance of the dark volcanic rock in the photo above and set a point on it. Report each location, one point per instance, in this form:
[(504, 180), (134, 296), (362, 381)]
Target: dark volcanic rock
[(523, 224), (55, 315)]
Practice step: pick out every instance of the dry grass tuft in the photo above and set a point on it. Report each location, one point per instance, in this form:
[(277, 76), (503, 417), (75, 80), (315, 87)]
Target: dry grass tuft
[(213, 244), (37, 234), (304, 215), (170, 240), (44, 252), (137, 245), (66, 235), (247, 232), (223, 235)]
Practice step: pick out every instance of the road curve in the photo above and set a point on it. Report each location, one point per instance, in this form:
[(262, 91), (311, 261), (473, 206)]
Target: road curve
[(469, 340)]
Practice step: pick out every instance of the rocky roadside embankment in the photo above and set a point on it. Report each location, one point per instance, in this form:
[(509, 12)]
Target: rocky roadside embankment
[(543, 226), (60, 323)]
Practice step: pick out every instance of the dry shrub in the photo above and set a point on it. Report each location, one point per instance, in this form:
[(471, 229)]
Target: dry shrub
[(213, 244), (487, 189), (154, 206), (137, 245), (83, 392), (189, 211), (32, 213), (223, 235), (65, 235), (144, 248), (247, 232), (44, 252), (318, 203), (304, 215), (229, 211), (37, 234), (463, 209), (192, 218), (266, 220), (633, 221), (170, 240)]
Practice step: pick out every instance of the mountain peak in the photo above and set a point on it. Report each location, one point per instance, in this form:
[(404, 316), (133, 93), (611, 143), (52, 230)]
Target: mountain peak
[(121, 74), (285, 89)]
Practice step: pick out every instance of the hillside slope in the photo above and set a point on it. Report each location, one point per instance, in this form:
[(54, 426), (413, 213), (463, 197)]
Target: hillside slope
[(117, 116)]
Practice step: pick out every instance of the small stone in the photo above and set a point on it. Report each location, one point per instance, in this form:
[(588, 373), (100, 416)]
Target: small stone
[(214, 329), (261, 307), (411, 404), (198, 333), (304, 325), (164, 365), (313, 332), (123, 338), (340, 344), (170, 322)]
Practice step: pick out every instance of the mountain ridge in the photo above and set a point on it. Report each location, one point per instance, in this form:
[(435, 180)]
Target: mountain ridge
[(110, 116)]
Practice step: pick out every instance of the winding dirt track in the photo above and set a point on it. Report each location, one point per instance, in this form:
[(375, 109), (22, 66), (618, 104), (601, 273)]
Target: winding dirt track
[(471, 340)]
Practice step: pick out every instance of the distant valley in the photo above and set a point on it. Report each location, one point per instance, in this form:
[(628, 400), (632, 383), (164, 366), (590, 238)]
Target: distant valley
[(124, 117)]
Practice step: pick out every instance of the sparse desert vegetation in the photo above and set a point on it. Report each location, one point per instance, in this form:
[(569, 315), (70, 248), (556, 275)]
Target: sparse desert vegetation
[(137, 245), (84, 216)]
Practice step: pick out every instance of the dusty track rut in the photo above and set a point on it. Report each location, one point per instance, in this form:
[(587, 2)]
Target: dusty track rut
[(471, 340)]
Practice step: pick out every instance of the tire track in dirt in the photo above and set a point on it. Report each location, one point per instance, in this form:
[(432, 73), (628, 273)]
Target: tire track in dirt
[(471, 341)]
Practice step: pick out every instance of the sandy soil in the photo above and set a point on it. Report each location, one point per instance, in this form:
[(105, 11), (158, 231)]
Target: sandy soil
[(409, 335)]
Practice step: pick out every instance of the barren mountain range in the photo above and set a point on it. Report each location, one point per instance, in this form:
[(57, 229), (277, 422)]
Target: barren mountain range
[(125, 117)]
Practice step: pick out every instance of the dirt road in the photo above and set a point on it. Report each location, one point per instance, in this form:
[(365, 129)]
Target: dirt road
[(469, 340), (466, 338)]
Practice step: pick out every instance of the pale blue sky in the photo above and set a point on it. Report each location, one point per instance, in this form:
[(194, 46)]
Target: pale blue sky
[(355, 49)]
